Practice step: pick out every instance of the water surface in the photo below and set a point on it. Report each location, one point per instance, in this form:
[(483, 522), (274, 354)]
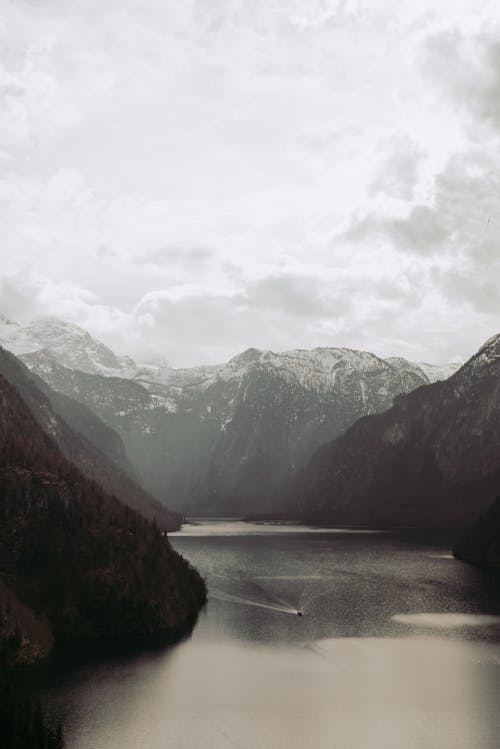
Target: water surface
[(398, 648)]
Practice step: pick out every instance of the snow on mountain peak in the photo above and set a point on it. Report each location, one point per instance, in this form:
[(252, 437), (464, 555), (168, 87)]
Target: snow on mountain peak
[(314, 369), (491, 345), (15, 338), (488, 353), (73, 346), (317, 368), (435, 372), (58, 332)]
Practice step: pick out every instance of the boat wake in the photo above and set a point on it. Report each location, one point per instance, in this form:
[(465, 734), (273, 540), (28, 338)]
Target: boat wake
[(221, 596)]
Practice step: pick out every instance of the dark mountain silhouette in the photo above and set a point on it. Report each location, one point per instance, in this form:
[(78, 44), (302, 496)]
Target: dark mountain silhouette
[(85, 440), (87, 566), (479, 543), (433, 458)]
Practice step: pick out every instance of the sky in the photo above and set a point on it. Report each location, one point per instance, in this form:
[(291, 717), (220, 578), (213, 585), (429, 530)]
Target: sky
[(189, 178)]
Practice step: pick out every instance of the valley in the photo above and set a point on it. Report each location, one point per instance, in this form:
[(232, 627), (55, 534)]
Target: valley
[(219, 440), (356, 477)]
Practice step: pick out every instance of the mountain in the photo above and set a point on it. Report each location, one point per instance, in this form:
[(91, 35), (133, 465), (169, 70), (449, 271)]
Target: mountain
[(74, 561), (479, 542), (436, 372), (15, 338), (162, 374), (431, 372), (84, 439), (66, 343), (73, 347), (222, 439), (80, 418), (434, 457)]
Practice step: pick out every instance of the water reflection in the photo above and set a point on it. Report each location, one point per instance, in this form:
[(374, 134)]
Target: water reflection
[(231, 527), (448, 621), (387, 693), (397, 649)]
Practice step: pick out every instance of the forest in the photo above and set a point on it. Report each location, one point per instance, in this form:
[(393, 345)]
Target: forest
[(75, 563)]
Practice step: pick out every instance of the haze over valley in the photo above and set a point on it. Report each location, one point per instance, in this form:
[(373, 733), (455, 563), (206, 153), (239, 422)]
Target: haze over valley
[(218, 440)]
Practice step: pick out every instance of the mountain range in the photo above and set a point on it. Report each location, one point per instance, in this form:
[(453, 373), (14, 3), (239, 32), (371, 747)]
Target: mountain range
[(218, 439), (433, 458), (328, 433), (90, 442), (85, 440)]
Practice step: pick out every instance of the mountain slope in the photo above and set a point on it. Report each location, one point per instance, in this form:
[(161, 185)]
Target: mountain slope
[(93, 567), (80, 418), (77, 431), (225, 442), (479, 543), (73, 347), (434, 457), (14, 338), (220, 439)]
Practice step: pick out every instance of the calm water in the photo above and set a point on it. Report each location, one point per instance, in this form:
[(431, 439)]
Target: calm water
[(398, 648)]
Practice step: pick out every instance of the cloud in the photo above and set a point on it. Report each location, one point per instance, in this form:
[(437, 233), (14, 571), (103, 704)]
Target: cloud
[(273, 312), (422, 232), (297, 297), (199, 177), (398, 173), (467, 67)]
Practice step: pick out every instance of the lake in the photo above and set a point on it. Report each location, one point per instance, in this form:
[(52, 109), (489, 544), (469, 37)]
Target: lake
[(398, 648)]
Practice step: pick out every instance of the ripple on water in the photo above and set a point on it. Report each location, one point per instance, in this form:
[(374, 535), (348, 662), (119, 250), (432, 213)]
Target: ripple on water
[(447, 620)]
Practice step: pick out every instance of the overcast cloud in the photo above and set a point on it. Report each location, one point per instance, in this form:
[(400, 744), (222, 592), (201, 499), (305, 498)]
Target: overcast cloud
[(187, 178)]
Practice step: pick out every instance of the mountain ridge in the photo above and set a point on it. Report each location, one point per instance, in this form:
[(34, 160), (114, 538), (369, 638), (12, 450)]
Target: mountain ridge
[(75, 555), (73, 347), (222, 439), (433, 455), (74, 428), (225, 443)]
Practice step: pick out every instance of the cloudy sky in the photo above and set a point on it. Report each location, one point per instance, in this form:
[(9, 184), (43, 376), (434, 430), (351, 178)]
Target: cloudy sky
[(187, 178)]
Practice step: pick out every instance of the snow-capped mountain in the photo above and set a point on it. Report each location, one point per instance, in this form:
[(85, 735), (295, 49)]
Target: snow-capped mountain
[(320, 369), (162, 374), (434, 457), (66, 343), (73, 347), (432, 372), (436, 372), (15, 338), (222, 439), (218, 438), (92, 446)]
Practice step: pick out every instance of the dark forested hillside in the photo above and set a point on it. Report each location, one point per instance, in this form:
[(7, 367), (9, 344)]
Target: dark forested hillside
[(22, 724), (479, 543), (91, 566), (85, 440), (433, 458)]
